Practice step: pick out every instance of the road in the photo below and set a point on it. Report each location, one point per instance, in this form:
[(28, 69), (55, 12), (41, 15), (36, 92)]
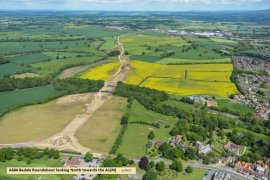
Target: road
[(66, 140)]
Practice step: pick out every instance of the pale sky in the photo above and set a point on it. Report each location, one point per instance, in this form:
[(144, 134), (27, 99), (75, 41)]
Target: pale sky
[(136, 5)]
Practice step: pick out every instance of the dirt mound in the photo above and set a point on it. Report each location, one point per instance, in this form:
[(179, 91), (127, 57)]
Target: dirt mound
[(76, 98)]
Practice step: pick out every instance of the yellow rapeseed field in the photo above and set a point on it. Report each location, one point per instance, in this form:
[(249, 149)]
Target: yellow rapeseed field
[(102, 72), (208, 79)]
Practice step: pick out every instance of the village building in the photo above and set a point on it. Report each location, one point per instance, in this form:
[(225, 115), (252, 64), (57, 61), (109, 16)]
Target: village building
[(73, 162), (175, 140), (258, 171), (232, 148), (211, 103), (202, 149)]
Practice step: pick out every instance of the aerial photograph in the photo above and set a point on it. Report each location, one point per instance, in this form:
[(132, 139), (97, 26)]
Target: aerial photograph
[(134, 89)]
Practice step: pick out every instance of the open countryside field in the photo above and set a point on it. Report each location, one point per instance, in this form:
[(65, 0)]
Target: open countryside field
[(181, 50), (102, 72), (137, 134), (101, 130), (48, 119), (233, 107), (208, 79), (138, 113), (14, 99), (29, 59)]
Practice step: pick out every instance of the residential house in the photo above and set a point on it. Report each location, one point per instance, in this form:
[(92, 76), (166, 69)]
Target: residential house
[(202, 149), (175, 140), (73, 162), (232, 148)]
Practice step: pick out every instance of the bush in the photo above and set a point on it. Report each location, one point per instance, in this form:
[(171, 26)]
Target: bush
[(189, 170)]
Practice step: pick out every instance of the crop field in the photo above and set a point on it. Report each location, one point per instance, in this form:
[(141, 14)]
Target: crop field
[(29, 59), (51, 67), (93, 31), (110, 43), (101, 130), (184, 50), (102, 72), (48, 119), (25, 75), (192, 61), (205, 79), (10, 68), (13, 99)]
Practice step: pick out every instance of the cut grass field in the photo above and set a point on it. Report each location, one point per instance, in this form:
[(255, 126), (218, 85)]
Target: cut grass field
[(35, 163), (102, 72), (203, 79), (137, 133), (135, 139), (101, 130), (237, 108), (14, 99), (48, 119)]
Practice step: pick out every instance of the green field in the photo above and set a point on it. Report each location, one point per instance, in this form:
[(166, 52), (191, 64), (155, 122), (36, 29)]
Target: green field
[(185, 50), (255, 135), (101, 130), (195, 175), (35, 163), (135, 140), (138, 113), (29, 59), (236, 108), (13, 99), (10, 69)]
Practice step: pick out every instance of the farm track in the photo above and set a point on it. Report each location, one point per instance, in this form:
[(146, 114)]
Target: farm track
[(66, 140)]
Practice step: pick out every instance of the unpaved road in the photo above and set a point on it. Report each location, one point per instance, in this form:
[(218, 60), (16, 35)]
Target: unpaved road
[(66, 140)]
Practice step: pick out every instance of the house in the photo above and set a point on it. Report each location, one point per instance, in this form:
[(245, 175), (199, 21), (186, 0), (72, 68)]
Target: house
[(266, 160), (202, 149), (198, 99), (175, 140), (73, 162), (257, 170), (227, 160), (244, 168), (260, 170), (211, 103), (158, 144), (232, 148)]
